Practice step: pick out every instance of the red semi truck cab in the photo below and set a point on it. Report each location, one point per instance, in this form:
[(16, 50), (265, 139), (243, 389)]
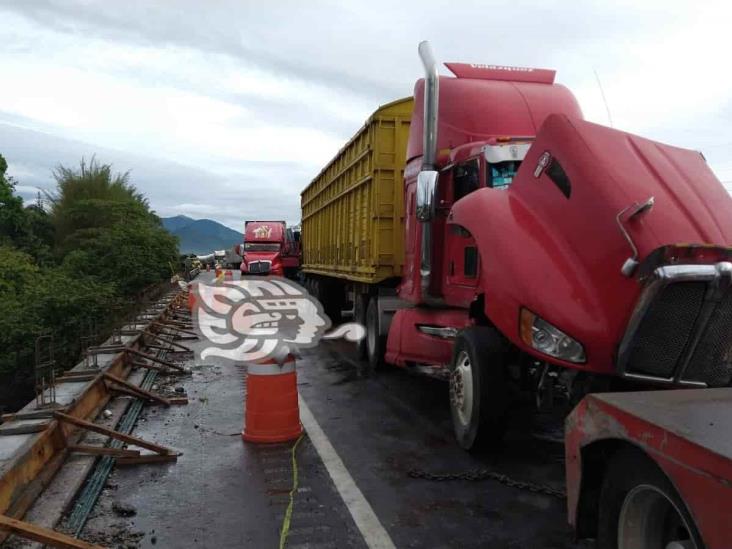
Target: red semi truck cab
[(541, 253), (270, 248), (544, 250)]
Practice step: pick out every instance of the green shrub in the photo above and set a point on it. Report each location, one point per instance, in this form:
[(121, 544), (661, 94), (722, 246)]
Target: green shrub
[(78, 268)]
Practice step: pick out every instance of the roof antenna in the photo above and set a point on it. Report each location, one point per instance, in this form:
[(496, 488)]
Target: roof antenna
[(604, 100)]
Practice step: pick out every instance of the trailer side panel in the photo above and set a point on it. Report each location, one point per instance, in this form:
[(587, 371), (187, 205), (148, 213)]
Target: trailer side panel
[(352, 212)]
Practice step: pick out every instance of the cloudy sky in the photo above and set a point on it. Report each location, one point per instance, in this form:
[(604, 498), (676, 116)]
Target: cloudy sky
[(226, 110)]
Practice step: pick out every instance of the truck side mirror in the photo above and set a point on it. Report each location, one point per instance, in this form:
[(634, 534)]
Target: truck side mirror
[(426, 192)]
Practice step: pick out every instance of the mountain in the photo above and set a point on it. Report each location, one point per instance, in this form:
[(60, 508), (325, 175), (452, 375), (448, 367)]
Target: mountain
[(201, 236), (172, 224)]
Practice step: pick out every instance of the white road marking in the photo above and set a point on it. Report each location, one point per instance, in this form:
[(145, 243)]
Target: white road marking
[(363, 515)]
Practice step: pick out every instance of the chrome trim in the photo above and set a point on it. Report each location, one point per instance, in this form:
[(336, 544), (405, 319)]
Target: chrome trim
[(431, 102), (654, 379), (719, 277), (259, 262), (630, 264), (429, 156), (425, 198), (506, 152), (445, 332)]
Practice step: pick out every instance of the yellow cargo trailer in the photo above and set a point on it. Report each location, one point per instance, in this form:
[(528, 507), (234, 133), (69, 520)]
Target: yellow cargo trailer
[(352, 212)]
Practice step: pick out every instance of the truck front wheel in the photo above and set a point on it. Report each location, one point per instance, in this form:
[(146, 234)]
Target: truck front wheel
[(478, 393), (639, 507)]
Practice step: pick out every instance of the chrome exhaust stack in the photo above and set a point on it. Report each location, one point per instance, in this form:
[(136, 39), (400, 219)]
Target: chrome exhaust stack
[(431, 101), (427, 179)]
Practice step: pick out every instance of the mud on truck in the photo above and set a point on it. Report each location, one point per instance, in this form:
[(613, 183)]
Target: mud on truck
[(484, 229)]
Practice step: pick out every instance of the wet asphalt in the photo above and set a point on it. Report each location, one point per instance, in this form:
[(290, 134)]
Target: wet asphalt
[(387, 424), (224, 493)]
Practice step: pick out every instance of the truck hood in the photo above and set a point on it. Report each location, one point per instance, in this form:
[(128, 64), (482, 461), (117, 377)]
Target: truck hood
[(556, 248)]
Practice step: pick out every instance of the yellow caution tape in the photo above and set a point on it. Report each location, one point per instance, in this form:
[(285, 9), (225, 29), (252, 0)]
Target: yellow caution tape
[(288, 513)]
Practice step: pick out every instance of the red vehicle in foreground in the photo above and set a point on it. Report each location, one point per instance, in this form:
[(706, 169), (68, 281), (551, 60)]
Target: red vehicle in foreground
[(519, 249), (270, 248), (651, 469), (532, 251)]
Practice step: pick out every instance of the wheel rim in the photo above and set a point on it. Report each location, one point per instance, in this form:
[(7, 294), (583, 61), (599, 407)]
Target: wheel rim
[(650, 520), (461, 388)]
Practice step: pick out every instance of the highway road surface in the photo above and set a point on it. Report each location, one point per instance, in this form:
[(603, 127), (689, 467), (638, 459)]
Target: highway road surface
[(364, 433)]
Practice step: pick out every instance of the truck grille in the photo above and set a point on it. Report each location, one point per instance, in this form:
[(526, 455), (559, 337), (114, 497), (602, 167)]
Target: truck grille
[(712, 359), (259, 267), (681, 330)]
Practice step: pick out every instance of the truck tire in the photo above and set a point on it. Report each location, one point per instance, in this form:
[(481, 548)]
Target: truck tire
[(362, 301), (479, 395), (375, 342), (307, 283), (639, 507)]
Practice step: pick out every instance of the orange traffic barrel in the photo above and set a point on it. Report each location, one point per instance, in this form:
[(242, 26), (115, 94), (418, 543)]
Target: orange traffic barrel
[(228, 275), (271, 410), (217, 271), (191, 296)]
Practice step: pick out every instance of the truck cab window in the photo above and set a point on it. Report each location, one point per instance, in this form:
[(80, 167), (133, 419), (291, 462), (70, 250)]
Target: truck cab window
[(501, 174), (470, 262), (466, 177)]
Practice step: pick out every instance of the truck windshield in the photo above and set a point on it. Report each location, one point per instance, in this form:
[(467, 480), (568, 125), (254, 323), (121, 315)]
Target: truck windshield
[(501, 174), (261, 247)]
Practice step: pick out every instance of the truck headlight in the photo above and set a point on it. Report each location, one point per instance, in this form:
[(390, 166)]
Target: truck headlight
[(538, 334)]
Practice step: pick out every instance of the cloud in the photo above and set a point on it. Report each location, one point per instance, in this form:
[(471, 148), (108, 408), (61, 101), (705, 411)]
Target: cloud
[(240, 29), (172, 188), (228, 109)]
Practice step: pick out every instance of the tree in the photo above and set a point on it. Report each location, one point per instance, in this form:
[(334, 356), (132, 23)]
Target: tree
[(132, 255), (28, 229), (12, 216), (107, 247), (105, 230), (35, 301), (39, 236), (91, 198)]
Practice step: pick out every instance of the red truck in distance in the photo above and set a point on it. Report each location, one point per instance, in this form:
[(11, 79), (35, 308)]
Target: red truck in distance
[(270, 248)]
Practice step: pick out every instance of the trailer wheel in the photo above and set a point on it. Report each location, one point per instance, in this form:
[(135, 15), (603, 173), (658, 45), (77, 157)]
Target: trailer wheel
[(375, 342), (478, 392), (639, 507), (359, 309)]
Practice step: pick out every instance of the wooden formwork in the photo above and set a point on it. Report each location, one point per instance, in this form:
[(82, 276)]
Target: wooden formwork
[(35, 462)]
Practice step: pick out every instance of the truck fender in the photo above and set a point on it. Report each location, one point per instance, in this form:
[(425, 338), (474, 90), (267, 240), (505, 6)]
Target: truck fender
[(387, 306)]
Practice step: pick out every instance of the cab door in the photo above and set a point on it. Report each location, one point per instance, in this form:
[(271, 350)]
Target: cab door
[(461, 262)]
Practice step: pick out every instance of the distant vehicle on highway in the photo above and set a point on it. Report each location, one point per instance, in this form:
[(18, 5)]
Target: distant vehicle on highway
[(269, 248)]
